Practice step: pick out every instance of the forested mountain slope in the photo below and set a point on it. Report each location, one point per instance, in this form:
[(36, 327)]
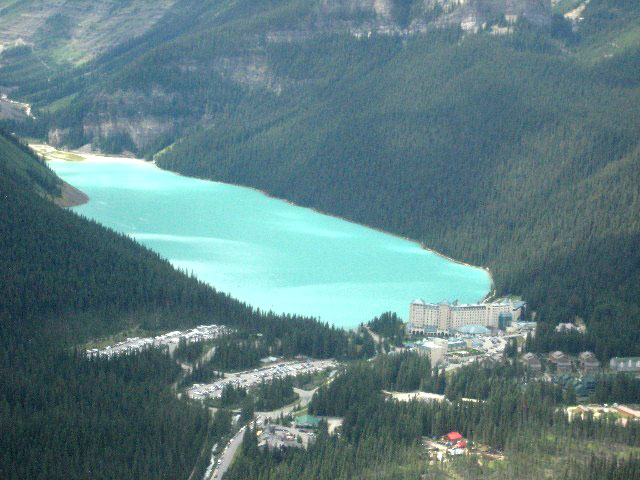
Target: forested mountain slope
[(80, 280), (19, 164), (201, 53), (497, 152), (516, 151), (63, 416), (64, 280), (75, 30)]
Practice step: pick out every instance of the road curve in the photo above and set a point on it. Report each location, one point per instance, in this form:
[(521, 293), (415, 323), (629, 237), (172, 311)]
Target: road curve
[(232, 447)]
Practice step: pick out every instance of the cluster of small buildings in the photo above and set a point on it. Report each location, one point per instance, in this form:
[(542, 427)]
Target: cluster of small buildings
[(453, 444), (578, 373), (454, 351), (171, 340), (450, 445), (446, 317), (587, 361), (253, 377), (277, 436), (300, 435), (622, 413)]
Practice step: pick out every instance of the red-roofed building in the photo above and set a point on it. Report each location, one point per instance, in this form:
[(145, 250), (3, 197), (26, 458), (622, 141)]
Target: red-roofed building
[(454, 436)]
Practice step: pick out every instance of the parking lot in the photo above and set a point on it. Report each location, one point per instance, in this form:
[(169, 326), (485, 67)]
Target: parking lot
[(277, 436), (170, 340), (250, 378)]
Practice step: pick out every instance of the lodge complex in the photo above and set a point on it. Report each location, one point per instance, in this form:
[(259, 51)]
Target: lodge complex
[(444, 317)]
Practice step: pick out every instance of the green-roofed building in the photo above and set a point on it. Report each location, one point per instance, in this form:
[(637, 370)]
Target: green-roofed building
[(307, 421)]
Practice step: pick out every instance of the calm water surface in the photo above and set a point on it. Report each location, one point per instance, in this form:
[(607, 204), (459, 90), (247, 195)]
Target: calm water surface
[(267, 252)]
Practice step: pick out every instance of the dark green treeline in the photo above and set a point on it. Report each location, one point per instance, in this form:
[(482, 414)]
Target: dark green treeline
[(65, 280), (381, 438)]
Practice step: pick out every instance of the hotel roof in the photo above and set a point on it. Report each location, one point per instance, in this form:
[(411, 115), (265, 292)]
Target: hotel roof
[(473, 329)]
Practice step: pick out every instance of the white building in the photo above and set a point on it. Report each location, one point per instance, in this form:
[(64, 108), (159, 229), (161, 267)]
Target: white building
[(444, 316), (625, 364), (568, 327), (434, 348)]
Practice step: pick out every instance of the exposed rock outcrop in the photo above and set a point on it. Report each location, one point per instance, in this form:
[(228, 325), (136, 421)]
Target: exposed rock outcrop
[(410, 17), (139, 120), (85, 29)]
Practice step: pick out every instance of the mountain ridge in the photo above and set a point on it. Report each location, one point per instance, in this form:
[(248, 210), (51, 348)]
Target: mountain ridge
[(484, 147)]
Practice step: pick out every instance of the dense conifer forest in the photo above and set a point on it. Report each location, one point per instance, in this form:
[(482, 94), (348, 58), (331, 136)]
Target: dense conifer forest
[(381, 438), (63, 416), (517, 152), (515, 157), (389, 326), (66, 280)]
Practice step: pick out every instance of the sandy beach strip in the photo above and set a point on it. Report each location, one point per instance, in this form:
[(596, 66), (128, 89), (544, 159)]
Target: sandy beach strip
[(52, 154)]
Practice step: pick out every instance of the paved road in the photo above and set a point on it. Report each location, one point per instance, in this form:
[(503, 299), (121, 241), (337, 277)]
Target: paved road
[(305, 398), (226, 459), (229, 453), (227, 456), (375, 336)]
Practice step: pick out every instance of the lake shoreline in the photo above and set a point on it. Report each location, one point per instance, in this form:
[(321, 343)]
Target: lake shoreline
[(90, 157), (489, 294), (70, 196)]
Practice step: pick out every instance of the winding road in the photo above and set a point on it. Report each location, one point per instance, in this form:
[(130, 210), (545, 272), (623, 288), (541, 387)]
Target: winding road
[(227, 456), (226, 459)]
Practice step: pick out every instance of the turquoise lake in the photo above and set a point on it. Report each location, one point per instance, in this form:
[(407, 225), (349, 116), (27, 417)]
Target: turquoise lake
[(267, 252)]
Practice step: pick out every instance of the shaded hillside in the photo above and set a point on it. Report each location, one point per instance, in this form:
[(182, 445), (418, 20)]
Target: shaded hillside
[(83, 279), (501, 152), (76, 30), (66, 417), (62, 415), (65, 280), (518, 152), (20, 164)]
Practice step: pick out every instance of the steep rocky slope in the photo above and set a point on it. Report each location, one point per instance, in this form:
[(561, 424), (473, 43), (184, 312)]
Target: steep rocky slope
[(218, 49), (76, 30), (413, 16)]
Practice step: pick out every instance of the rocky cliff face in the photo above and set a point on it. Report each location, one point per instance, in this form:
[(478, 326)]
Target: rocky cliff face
[(408, 17), (128, 116), (411, 16), (77, 29), (381, 8), (82, 29), (475, 13)]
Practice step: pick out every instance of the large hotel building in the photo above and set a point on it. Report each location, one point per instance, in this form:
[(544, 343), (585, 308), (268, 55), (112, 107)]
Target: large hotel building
[(444, 316)]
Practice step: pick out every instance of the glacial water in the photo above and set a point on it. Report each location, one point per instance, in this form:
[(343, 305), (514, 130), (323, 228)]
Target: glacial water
[(267, 252)]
